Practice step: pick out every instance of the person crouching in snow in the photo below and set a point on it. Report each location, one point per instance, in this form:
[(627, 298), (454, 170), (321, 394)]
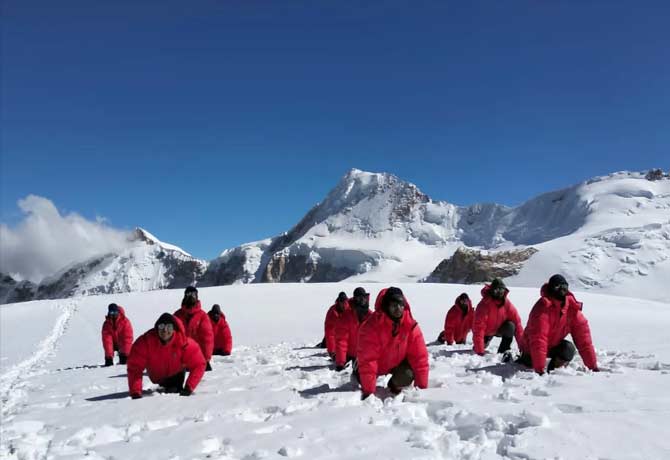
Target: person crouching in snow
[(166, 353), (196, 323), (496, 316), (117, 334), (347, 326), (334, 313), (390, 342), (553, 317), (223, 339), (458, 322)]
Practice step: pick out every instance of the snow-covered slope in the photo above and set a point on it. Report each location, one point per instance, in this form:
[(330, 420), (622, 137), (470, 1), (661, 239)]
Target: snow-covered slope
[(275, 398), (623, 245)]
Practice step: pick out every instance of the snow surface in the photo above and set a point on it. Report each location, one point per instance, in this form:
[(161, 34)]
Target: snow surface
[(276, 397)]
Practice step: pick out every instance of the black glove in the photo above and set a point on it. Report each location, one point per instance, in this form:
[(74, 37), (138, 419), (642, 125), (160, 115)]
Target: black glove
[(208, 368), (225, 353), (365, 396), (123, 359), (109, 362), (339, 368), (136, 395), (185, 392)]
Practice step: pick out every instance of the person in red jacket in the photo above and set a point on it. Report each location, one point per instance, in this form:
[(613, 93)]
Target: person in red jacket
[(496, 316), (166, 353), (458, 322), (553, 317), (223, 339), (334, 313), (196, 323), (390, 341), (347, 326), (117, 334)]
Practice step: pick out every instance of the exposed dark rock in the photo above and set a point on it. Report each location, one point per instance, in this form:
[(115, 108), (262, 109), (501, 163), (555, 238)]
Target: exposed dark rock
[(654, 174), (469, 266), (283, 268), (12, 291), (228, 272)]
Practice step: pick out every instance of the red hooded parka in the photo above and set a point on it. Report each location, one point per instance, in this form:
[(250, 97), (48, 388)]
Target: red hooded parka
[(162, 360), (117, 334), (346, 335), (223, 339), (456, 324), (332, 316), (489, 316), (550, 321), (382, 347), (198, 327)]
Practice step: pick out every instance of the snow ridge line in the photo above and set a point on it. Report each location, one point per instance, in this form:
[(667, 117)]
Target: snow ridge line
[(12, 379)]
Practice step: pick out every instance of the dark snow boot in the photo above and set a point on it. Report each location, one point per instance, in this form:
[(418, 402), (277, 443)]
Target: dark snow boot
[(401, 377), (561, 355), (174, 383), (506, 331)]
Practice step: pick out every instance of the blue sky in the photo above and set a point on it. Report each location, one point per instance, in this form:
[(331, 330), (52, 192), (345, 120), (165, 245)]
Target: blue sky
[(215, 123)]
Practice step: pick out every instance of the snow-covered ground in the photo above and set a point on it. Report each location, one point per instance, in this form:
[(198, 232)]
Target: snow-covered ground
[(277, 397)]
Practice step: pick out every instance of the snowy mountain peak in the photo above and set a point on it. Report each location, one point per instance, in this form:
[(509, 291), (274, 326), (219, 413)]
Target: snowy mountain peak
[(141, 235)]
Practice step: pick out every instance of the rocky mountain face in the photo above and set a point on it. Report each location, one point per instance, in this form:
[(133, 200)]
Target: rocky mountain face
[(469, 266)]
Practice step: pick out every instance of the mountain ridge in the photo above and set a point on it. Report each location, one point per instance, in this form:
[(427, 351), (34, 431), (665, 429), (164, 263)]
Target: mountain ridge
[(375, 227)]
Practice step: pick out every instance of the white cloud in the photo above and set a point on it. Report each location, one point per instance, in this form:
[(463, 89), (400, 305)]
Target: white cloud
[(46, 241)]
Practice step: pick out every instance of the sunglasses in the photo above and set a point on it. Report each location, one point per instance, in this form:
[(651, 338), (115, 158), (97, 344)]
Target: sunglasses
[(113, 313), (166, 327)]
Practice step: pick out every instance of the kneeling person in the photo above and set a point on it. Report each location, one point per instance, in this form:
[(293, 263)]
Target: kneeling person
[(553, 317), (166, 353), (390, 342)]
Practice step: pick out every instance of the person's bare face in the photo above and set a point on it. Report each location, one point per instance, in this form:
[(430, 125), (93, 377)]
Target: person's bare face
[(396, 309), (165, 331)]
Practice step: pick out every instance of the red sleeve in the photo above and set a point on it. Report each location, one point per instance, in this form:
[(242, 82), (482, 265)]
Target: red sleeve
[(538, 335), (126, 337), (417, 356), (468, 322), (450, 325), (581, 332), (227, 338), (195, 362), (341, 340), (206, 335), (137, 362), (368, 353), (107, 339), (479, 328), (330, 330), (180, 323), (516, 319)]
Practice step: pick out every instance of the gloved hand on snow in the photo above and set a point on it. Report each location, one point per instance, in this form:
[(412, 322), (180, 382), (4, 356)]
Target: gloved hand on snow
[(186, 392)]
